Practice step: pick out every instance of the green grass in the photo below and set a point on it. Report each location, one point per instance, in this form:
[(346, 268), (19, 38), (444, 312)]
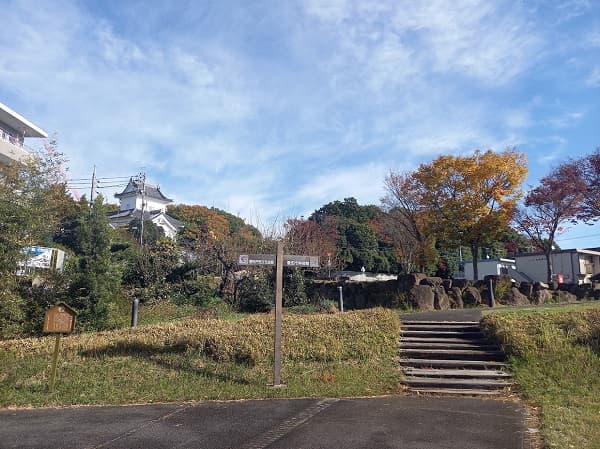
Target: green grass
[(555, 356), (334, 355), (164, 312)]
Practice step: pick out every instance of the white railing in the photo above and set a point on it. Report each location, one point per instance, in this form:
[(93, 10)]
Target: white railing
[(14, 140)]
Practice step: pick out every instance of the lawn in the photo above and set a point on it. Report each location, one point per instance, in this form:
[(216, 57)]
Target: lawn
[(555, 357), (335, 355)]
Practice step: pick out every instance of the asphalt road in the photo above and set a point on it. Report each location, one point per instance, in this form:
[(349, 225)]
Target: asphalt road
[(385, 422)]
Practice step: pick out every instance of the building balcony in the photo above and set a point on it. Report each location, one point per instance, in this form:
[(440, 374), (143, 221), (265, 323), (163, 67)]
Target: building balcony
[(12, 149)]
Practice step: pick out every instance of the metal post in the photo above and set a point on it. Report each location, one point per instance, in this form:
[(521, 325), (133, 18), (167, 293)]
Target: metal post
[(341, 299), (491, 292), (278, 314), (134, 312), (54, 362)]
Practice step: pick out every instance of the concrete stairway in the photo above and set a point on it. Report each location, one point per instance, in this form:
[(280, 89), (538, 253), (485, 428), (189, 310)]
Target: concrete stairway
[(451, 357)]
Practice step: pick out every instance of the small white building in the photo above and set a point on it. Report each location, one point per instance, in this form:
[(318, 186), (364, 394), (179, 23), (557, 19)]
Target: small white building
[(571, 266), (14, 128), (41, 258), (486, 267), (140, 198)]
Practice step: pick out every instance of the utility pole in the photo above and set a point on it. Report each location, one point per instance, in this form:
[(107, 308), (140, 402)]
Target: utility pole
[(142, 179), (93, 186)]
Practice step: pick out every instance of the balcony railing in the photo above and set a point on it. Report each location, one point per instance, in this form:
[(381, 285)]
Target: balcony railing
[(14, 140)]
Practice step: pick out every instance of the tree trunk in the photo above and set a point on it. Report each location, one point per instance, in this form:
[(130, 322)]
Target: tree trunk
[(475, 254), (549, 266)]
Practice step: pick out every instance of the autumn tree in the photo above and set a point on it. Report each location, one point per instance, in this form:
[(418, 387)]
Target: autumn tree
[(406, 223), (548, 208), (311, 238), (472, 198), (216, 239)]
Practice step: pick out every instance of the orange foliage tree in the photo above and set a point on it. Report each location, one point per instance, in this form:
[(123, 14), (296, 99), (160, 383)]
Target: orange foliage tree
[(471, 199), (216, 239)]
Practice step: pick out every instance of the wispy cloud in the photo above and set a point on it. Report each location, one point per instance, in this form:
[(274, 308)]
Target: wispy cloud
[(593, 79), (271, 109)]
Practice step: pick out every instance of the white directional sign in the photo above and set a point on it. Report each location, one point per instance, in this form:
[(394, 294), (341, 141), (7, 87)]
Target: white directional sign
[(301, 261), (257, 259), (288, 260)]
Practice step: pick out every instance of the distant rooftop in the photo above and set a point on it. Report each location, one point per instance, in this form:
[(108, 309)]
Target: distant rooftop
[(17, 122)]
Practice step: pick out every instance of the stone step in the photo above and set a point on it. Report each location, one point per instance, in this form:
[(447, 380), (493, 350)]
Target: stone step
[(440, 328), (442, 334), (446, 323), (440, 340), (456, 373), (455, 391), (479, 384), (445, 363), (454, 354), (477, 345)]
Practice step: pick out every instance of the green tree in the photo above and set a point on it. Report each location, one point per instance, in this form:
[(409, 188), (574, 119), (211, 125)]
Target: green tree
[(294, 293), (358, 242), (32, 197), (152, 232), (95, 289), (150, 267)]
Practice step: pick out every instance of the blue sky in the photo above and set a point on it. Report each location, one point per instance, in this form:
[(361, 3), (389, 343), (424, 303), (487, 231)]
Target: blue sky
[(270, 109)]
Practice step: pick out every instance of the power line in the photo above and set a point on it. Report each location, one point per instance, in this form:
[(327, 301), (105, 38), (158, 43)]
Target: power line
[(106, 178), (579, 237)]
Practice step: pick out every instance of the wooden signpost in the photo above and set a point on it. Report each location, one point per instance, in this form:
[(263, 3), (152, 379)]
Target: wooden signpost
[(278, 260), (59, 319)]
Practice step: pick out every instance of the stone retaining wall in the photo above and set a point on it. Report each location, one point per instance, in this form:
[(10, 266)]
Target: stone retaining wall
[(418, 291)]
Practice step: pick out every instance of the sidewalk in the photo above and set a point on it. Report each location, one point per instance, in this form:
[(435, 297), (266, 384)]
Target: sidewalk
[(384, 422)]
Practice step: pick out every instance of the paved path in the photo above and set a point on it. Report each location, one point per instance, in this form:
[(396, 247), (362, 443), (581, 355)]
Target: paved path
[(385, 422), (444, 315)]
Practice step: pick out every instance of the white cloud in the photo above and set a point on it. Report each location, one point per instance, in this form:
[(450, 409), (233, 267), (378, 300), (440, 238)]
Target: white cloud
[(566, 119), (593, 38), (364, 182), (593, 79), (473, 38), (518, 118), (271, 113)]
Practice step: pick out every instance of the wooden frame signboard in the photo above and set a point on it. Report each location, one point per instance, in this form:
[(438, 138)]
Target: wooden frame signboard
[(59, 319)]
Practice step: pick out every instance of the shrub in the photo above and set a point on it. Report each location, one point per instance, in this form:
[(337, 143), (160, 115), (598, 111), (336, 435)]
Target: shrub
[(294, 293), (255, 293), (200, 291), (11, 314)]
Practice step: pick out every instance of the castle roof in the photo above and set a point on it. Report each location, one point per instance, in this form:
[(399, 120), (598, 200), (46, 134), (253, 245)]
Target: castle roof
[(135, 186), (124, 217)]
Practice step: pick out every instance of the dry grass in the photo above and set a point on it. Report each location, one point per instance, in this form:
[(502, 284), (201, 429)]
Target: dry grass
[(332, 354)]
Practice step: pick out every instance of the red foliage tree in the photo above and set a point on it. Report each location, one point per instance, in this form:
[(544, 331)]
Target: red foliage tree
[(307, 237), (557, 201)]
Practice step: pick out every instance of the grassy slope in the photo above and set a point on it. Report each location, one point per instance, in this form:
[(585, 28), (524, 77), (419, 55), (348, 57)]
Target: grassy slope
[(324, 355), (555, 354)]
